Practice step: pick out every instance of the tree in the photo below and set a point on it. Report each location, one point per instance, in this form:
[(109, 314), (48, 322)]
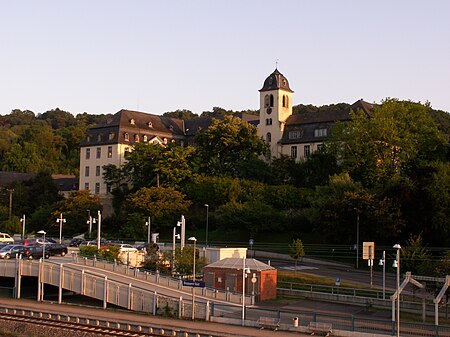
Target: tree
[(184, 261), (163, 204), (228, 142), (296, 251), (415, 257), (397, 137), (181, 114)]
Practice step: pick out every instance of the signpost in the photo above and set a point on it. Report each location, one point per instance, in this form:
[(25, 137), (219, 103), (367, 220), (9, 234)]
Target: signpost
[(195, 284), (368, 254)]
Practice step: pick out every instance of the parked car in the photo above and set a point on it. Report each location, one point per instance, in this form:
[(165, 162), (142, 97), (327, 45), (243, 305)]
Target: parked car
[(11, 251), (6, 238), (76, 242), (57, 249), (124, 247), (35, 252)]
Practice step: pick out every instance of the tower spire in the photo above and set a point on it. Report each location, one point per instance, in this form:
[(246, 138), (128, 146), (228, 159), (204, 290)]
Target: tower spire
[(276, 63)]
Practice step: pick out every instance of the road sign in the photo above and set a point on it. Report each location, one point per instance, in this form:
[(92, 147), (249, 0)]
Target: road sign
[(368, 250), (190, 283), (251, 242)]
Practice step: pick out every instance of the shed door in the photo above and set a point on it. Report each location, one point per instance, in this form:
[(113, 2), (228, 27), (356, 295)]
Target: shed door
[(230, 282)]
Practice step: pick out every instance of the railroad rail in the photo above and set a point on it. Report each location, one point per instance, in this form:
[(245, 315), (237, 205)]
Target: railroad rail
[(94, 326)]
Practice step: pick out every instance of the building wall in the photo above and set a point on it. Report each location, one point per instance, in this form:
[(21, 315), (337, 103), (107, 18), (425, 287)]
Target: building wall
[(221, 278), (286, 149)]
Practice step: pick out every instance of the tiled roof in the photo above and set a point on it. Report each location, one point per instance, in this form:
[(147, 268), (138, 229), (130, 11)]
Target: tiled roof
[(236, 263)]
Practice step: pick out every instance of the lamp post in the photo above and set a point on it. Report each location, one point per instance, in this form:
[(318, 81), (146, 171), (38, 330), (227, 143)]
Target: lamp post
[(383, 263), (207, 216), (357, 238), (148, 223), (397, 264), (193, 278), (99, 213), (22, 220), (10, 191), (245, 271), (89, 222), (41, 285), (175, 236), (60, 220)]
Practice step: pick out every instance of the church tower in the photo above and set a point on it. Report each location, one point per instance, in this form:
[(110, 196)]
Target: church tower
[(275, 107)]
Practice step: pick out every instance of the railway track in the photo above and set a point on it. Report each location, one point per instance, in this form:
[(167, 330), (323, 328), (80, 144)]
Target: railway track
[(97, 327)]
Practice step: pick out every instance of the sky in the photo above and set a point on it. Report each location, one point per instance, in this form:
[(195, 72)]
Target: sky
[(101, 56)]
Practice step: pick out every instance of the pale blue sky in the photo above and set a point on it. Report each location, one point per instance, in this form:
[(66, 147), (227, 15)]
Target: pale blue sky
[(101, 56)]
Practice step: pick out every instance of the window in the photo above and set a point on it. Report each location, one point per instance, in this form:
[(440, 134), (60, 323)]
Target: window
[(126, 137), (284, 101), (271, 100), (266, 101), (99, 152), (97, 188), (109, 151), (88, 138), (269, 121), (97, 171), (165, 140), (86, 186), (136, 138), (99, 137), (88, 153), (111, 135), (86, 171), (108, 188), (132, 121), (287, 101), (295, 134), (294, 151), (268, 137), (306, 151), (150, 124), (320, 132), (145, 138), (171, 127)]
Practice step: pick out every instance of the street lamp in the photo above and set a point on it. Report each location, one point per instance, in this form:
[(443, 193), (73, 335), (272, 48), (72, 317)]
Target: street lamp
[(245, 271), (99, 213), (148, 223), (383, 263), (207, 215), (357, 237), (397, 265), (22, 220), (41, 286), (89, 222), (60, 220), (193, 278), (175, 236)]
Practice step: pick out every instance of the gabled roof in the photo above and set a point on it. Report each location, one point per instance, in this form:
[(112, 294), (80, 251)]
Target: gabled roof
[(236, 263)]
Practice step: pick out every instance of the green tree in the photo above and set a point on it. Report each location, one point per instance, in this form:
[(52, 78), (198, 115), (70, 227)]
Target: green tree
[(296, 251), (181, 114), (184, 261), (397, 137), (163, 204), (415, 257), (226, 143)]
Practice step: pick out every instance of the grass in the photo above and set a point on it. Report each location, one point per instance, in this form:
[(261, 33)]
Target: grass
[(299, 277)]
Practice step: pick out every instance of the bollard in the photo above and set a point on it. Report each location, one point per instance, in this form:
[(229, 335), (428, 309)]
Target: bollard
[(295, 322)]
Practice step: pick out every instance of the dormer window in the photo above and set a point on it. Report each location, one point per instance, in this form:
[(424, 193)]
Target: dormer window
[(88, 138), (171, 127), (136, 138), (111, 135), (165, 140), (150, 124), (320, 132), (199, 128), (132, 121), (99, 137), (126, 136), (145, 138)]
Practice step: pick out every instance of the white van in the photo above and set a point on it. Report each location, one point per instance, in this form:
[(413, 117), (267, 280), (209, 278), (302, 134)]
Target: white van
[(6, 238)]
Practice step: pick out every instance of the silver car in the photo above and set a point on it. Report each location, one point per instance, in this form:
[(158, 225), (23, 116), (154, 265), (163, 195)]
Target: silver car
[(10, 251)]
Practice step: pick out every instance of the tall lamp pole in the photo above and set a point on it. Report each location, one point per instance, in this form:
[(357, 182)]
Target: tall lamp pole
[(357, 238), (99, 213), (41, 285), (193, 278), (148, 223), (397, 264), (89, 222), (22, 220), (245, 271), (383, 263), (207, 216), (60, 220)]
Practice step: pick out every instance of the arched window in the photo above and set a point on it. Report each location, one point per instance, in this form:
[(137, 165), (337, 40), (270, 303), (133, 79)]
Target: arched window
[(266, 101), (126, 136), (136, 138), (268, 137), (145, 138), (271, 100), (284, 101), (269, 121), (287, 101)]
